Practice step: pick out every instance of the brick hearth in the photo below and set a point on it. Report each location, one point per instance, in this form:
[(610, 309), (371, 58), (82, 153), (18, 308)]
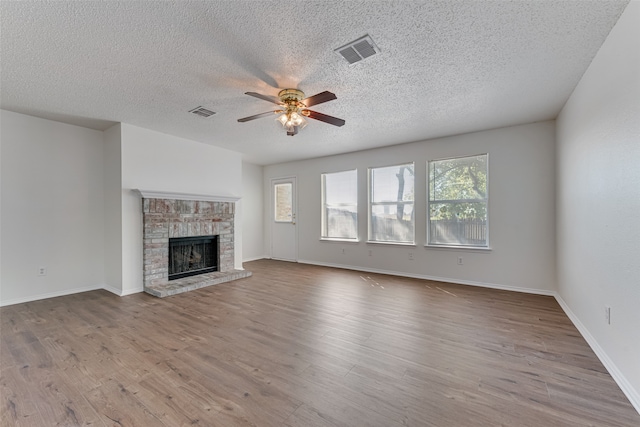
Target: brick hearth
[(168, 218)]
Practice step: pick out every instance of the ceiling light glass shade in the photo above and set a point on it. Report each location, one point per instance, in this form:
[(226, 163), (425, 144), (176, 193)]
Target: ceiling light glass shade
[(291, 119), (282, 118)]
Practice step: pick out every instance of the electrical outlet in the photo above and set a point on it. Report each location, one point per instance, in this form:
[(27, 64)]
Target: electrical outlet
[(460, 260), (42, 271), (607, 314), (410, 256)]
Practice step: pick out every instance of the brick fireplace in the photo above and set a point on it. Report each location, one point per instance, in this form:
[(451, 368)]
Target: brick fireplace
[(169, 215)]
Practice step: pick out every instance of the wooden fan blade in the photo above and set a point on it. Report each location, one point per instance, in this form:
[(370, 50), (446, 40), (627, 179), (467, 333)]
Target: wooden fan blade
[(257, 116), (324, 118), (319, 98), (268, 98)]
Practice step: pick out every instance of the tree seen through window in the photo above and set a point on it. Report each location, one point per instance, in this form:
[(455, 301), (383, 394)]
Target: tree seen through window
[(458, 201)]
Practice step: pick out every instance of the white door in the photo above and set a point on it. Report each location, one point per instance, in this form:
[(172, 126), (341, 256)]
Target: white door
[(284, 231)]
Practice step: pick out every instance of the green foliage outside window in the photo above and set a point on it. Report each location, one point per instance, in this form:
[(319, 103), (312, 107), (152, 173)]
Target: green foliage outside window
[(458, 201), (458, 188)]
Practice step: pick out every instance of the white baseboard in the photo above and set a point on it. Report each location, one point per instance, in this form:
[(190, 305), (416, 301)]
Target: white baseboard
[(111, 289), (121, 293), (131, 292), (632, 394), (50, 295), (436, 278), (255, 258)]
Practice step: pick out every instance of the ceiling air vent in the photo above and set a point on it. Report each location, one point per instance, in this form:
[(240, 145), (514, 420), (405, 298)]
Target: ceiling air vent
[(201, 111), (358, 50)]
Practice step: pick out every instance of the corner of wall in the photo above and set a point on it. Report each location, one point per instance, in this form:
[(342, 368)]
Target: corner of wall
[(597, 152), (112, 179), (251, 208), (627, 388)]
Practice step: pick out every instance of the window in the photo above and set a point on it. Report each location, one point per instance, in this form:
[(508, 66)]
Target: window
[(391, 215), (284, 202), (340, 205), (458, 201)]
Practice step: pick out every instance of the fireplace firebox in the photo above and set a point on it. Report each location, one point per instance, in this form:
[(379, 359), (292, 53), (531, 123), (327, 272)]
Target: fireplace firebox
[(189, 256)]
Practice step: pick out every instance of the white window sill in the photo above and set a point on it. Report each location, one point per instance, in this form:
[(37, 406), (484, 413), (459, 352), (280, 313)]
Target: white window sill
[(337, 239), (464, 248), (375, 242)]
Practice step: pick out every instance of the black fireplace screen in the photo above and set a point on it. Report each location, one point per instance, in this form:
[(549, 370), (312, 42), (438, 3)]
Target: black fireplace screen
[(189, 256)]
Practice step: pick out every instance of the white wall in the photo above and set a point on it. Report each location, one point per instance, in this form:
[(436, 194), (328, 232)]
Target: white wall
[(598, 163), (52, 208), (68, 204), (252, 212), (160, 162), (521, 205), (113, 209)]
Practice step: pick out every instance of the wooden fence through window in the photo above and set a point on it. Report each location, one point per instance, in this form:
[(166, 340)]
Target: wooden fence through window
[(468, 231)]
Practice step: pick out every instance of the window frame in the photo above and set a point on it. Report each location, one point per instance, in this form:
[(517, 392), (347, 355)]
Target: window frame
[(323, 208), (428, 243), (370, 205)]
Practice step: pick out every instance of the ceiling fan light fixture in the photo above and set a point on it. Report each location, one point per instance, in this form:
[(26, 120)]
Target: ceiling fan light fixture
[(292, 119), (294, 109)]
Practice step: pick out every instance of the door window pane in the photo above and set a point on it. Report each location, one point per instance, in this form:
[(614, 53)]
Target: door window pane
[(284, 202)]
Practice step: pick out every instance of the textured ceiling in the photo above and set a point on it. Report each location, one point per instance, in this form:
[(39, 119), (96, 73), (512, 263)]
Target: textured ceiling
[(445, 67)]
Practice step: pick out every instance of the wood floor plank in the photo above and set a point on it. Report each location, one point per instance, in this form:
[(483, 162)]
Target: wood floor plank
[(60, 403), (18, 406), (168, 401), (301, 345), (118, 406), (241, 399)]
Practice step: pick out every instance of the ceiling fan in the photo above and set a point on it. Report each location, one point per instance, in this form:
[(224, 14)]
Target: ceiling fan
[(294, 108)]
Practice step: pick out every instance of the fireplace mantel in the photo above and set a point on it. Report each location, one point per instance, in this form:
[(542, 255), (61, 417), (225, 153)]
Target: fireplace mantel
[(150, 194)]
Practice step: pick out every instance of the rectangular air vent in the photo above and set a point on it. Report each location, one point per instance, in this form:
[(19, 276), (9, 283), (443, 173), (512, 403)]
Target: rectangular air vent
[(358, 50), (201, 111)]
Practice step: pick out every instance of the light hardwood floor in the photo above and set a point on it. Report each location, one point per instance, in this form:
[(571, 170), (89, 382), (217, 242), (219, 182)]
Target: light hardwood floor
[(299, 345)]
